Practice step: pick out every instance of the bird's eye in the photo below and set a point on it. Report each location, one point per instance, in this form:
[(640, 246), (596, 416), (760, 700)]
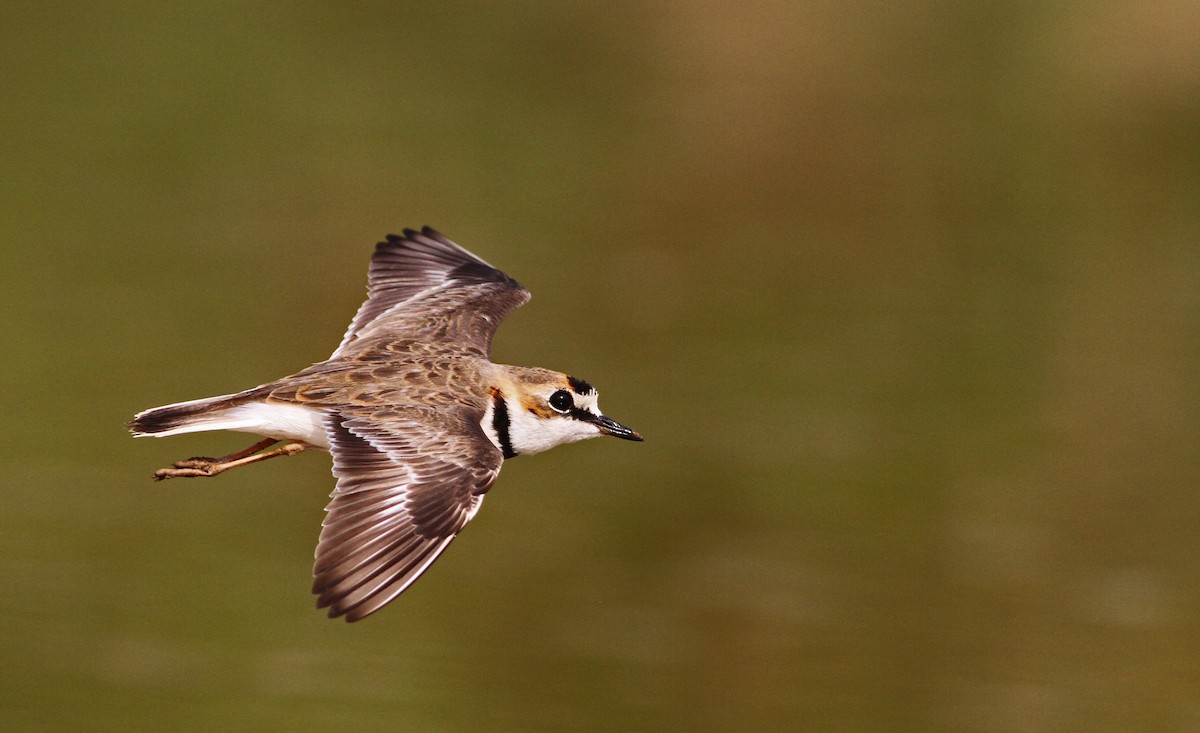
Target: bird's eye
[(562, 401)]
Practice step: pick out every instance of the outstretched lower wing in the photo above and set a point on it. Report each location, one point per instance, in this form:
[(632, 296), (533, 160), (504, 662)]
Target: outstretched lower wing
[(397, 506), (426, 286)]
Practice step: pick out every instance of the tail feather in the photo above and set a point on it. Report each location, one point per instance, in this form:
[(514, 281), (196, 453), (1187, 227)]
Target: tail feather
[(210, 413)]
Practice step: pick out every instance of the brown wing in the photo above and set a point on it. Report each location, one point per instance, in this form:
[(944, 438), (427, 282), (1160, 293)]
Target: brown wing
[(423, 284), (403, 494)]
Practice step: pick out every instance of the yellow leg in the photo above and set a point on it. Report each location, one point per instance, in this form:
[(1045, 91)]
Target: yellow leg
[(201, 466)]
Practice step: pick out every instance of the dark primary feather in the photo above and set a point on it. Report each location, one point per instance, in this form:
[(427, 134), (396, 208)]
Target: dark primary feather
[(398, 503), (424, 284)]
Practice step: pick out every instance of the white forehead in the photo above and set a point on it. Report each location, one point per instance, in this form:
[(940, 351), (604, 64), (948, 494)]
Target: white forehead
[(589, 401)]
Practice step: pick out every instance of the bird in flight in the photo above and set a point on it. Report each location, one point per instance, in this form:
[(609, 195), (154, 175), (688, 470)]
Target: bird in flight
[(415, 414)]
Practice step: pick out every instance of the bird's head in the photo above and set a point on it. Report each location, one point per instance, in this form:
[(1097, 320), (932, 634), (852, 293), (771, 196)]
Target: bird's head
[(533, 410)]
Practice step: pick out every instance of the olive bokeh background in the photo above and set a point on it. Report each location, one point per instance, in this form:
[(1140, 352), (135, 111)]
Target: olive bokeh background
[(903, 297)]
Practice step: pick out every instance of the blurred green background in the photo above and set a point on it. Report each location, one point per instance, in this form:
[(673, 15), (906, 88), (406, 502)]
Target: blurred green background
[(904, 298)]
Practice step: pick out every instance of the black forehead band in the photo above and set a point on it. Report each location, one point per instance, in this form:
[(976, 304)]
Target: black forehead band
[(580, 386)]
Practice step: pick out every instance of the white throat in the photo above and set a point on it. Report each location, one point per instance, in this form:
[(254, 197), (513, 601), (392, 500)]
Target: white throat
[(517, 431)]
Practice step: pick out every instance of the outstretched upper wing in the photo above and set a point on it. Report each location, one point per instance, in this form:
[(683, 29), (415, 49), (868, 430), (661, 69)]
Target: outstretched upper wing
[(423, 284), (398, 503)]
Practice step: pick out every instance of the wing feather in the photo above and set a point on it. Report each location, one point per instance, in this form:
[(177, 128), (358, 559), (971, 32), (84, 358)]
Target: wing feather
[(396, 507), (424, 285)]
